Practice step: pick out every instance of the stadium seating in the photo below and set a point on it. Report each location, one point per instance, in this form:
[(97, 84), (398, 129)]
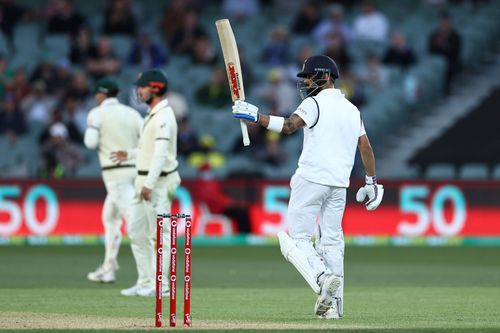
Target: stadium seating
[(384, 110), (474, 171)]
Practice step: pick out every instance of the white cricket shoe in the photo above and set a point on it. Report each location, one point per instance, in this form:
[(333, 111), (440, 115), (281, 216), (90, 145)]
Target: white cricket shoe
[(137, 290), (332, 313), (329, 287), (102, 275)]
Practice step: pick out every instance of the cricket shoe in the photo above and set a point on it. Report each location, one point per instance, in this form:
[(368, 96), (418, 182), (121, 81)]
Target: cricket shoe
[(137, 290), (102, 275), (329, 287), (332, 313)]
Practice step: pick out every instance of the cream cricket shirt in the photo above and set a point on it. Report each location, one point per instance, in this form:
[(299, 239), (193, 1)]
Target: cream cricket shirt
[(113, 126), (330, 138), (157, 150)]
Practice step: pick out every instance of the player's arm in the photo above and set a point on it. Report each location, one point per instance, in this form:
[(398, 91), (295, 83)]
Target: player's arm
[(288, 125), (367, 156), (91, 138), (372, 190), (247, 111)]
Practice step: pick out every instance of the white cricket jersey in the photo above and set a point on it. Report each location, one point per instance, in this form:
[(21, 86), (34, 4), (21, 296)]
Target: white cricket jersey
[(333, 127), (118, 128), (159, 124)]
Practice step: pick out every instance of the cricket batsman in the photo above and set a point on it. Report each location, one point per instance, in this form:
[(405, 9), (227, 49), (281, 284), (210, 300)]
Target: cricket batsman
[(333, 129)]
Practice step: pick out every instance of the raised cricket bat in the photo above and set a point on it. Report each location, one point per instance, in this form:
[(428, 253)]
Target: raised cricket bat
[(233, 68)]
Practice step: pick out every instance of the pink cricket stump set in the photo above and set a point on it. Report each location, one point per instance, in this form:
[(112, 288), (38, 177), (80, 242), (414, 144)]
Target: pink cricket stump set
[(174, 221)]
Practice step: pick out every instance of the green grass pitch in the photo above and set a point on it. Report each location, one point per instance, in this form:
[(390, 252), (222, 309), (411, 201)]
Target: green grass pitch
[(387, 289)]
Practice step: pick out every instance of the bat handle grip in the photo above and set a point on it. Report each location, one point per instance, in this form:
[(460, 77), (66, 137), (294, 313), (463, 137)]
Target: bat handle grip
[(244, 133)]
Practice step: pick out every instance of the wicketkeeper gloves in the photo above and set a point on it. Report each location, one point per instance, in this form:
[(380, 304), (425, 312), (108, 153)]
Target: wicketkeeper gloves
[(247, 111), (374, 192)]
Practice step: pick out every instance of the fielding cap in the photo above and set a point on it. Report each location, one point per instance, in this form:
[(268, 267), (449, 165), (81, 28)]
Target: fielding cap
[(107, 86), (154, 79)]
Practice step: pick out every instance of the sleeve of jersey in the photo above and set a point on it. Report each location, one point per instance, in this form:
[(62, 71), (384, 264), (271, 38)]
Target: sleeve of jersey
[(362, 129), (91, 138), (308, 111)]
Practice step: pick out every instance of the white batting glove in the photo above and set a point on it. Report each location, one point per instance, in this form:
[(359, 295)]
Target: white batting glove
[(246, 111), (373, 191)]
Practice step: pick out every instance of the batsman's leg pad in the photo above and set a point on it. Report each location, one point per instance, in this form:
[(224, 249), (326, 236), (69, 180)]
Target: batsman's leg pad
[(299, 260)]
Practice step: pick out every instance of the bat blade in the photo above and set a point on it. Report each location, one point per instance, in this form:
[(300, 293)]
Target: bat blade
[(233, 67)]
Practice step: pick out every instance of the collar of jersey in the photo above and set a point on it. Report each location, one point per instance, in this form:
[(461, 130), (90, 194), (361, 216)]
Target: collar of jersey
[(159, 106), (110, 101), (333, 91)]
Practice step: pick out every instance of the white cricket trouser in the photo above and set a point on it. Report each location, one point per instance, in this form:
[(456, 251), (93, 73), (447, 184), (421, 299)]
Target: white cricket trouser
[(119, 198), (142, 228), (308, 202)]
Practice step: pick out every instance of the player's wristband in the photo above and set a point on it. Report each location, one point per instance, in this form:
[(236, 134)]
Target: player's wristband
[(371, 180), (275, 124)]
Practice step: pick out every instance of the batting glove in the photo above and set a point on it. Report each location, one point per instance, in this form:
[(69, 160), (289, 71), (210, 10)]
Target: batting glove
[(246, 111), (373, 191)]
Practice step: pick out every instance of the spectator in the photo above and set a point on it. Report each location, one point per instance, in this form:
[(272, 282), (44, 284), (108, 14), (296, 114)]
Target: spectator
[(246, 69), (216, 92), (186, 35), (75, 119), (46, 72), (203, 52), (19, 85), (217, 201), (351, 88), (187, 140), (257, 138), (6, 74), (336, 49), (279, 92), (12, 122), (72, 132), (305, 51), (334, 24), (373, 74), (10, 14), (81, 47), (119, 18), (79, 87), (399, 53), (307, 19), (241, 9), (206, 155), (272, 153), (173, 18), (60, 157), (371, 24), (145, 53), (103, 62), (38, 105), (65, 18), (277, 48), (178, 103), (446, 41), (63, 77)]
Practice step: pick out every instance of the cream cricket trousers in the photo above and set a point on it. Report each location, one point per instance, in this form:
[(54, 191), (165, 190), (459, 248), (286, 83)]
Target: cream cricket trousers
[(142, 227), (310, 202), (119, 199)]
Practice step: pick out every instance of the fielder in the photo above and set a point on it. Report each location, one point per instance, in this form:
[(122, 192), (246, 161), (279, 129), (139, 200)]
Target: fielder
[(332, 130), (112, 126), (156, 182)]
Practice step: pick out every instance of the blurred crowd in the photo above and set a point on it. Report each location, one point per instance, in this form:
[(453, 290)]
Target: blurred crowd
[(57, 93)]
